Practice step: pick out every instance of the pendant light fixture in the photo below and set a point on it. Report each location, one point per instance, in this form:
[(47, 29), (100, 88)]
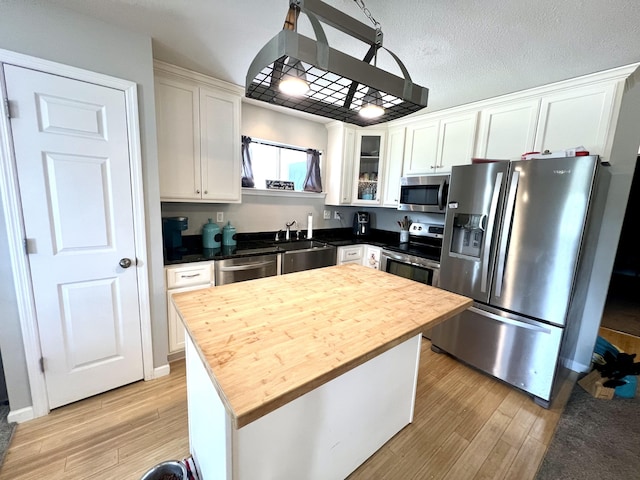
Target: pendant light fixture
[(338, 86)]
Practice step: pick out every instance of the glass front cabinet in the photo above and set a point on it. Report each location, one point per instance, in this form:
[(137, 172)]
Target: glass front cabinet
[(368, 167)]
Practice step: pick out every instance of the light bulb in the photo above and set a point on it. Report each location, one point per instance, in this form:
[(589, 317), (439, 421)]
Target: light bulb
[(372, 104), (294, 79)]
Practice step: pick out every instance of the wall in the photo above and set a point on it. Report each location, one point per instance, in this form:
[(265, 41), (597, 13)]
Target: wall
[(623, 159), (53, 33)]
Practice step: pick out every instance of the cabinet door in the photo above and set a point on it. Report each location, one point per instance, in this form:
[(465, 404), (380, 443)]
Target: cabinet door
[(421, 148), (220, 146), (369, 166), (176, 327), (393, 167), (457, 139), (351, 254), (580, 116), (338, 180), (178, 126), (507, 131), (372, 257)]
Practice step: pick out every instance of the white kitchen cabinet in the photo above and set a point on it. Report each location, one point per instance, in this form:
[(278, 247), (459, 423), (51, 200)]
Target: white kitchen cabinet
[(184, 278), (339, 163), (577, 116), (350, 254), (368, 167), (435, 145), (508, 130), (421, 147), (393, 167), (371, 257), (198, 139)]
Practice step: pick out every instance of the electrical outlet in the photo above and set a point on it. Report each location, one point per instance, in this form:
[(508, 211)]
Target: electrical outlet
[(337, 215), (219, 217), (327, 214)]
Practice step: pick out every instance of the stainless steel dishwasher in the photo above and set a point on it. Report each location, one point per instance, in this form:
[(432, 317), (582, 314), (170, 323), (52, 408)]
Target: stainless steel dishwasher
[(239, 269)]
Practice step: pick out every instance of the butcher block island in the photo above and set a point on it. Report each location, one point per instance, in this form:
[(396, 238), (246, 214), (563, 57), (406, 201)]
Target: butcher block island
[(304, 375)]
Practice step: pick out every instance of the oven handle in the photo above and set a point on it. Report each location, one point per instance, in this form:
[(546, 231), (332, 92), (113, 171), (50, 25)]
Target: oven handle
[(399, 257)]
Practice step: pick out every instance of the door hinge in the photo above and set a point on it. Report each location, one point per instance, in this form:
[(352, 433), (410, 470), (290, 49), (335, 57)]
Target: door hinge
[(7, 106), (42, 364)]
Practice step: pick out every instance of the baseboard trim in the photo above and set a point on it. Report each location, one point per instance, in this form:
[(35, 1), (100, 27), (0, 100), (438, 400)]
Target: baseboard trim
[(21, 415), (161, 371)]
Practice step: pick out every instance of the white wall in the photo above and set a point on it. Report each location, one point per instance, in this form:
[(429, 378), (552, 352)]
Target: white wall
[(56, 34)]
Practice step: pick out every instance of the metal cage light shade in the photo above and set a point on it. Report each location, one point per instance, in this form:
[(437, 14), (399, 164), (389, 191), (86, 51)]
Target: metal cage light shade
[(338, 83), (372, 104)]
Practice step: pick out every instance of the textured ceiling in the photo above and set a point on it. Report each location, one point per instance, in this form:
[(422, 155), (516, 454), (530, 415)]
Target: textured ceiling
[(462, 50)]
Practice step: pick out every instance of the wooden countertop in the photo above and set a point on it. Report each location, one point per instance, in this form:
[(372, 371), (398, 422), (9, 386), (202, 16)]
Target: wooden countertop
[(266, 342)]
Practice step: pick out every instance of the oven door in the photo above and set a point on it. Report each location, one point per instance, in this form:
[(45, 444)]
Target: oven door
[(409, 266)]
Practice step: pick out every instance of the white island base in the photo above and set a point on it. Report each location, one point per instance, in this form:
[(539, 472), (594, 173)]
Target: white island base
[(324, 434)]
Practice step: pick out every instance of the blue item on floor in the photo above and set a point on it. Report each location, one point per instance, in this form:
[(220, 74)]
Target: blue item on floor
[(629, 389)]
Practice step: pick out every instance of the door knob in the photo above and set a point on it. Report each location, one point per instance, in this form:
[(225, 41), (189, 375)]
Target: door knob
[(125, 262)]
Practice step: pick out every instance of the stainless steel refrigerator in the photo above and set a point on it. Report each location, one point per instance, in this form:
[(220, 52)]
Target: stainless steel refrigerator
[(515, 240)]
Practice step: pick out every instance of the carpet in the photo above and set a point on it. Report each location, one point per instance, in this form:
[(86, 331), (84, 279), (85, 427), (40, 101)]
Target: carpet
[(594, 439), (6, 431)]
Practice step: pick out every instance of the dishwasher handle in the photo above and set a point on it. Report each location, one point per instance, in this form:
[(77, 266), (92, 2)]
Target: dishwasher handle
[(248, 266)]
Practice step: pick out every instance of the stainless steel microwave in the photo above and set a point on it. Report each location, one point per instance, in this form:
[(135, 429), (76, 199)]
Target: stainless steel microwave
[(426, 193)]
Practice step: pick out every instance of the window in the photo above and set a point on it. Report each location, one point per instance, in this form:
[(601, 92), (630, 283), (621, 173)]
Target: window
[(270, 161)]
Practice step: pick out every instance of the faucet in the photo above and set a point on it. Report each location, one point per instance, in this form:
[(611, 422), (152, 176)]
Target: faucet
[(287, 235), (278, 235)]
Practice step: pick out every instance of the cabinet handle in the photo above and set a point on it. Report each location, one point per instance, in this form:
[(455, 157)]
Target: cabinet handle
[(206, 192), (432, 167), (198, 192), (190, 276)]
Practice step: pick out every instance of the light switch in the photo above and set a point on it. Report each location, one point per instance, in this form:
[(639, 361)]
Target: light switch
[(327, 214)]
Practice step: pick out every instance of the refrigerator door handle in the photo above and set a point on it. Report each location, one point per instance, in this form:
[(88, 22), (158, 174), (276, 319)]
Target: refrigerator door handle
[(441, 198), (506, 231), (489, 232), (510, 321)]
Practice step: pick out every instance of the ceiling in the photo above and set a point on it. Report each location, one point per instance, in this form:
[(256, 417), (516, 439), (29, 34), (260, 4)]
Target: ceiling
[(462, 50)]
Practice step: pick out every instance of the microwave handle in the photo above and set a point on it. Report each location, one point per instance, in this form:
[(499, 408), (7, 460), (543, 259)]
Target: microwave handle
[(441, 194)]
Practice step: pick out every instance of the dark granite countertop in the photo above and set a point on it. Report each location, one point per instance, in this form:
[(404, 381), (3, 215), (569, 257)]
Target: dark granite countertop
[(263, 243)]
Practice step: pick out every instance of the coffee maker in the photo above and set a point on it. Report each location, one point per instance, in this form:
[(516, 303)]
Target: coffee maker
[(172, 228), (361, 224)]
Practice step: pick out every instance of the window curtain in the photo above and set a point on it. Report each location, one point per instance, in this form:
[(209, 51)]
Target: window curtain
[(247, 170), (313, 181)]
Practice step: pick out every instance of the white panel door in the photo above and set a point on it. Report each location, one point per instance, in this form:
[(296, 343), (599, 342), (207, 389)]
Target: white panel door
[(507, 131), (178, 125), (70, 140), (581, 116), (421, 148), (457, 141), (220, 146)]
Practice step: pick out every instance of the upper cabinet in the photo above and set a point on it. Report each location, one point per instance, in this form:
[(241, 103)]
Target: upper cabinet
[(393, 167), (576, 117), (368, 166), (339, 163), (508, 130), (437, 144), (198, 128)]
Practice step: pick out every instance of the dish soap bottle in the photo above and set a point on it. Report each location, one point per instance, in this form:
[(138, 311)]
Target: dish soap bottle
[(211, 235), (228, 235)]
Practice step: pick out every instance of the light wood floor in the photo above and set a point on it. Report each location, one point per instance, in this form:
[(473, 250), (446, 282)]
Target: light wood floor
[(466, 426)]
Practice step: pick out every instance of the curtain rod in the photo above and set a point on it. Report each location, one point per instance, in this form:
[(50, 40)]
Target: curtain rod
[(282, 145)]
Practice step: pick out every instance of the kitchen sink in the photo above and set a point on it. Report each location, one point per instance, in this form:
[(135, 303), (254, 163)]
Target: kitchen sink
[(306, 255), (301, 245)]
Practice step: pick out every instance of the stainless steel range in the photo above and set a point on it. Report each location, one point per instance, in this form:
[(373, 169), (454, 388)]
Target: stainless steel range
[(418, 259)]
